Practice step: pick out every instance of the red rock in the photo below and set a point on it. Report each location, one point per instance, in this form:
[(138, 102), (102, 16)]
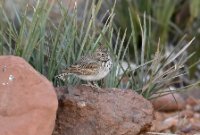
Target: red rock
[(160, 126), (192, 101), (168, 102), (197, 116), (188, 107), (28, 101), (187, 128), (196, 108), (196, 126), (84, 111), (186, 114)]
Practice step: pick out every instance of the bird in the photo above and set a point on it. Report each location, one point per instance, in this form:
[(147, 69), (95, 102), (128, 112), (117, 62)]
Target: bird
[(91, 67)]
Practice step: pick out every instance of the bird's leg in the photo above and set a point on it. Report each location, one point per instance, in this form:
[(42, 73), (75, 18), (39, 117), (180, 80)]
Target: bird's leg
[(96, 85), (92, 85), (89, 84)]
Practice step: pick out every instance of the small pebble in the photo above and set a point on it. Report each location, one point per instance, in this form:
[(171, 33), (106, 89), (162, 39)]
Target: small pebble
[(187, 114), (4, 68), (81, 104), (187, 128), (197, 115), (11, 78), (188, 107), (196, 108)]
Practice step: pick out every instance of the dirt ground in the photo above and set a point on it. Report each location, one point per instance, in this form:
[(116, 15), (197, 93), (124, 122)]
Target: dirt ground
[(181, 122)]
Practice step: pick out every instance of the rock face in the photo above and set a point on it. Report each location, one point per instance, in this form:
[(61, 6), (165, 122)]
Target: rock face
[(169, 103), (85, 111), (28, 102)]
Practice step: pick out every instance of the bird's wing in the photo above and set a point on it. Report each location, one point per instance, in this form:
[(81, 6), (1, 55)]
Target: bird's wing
[(85, 66)]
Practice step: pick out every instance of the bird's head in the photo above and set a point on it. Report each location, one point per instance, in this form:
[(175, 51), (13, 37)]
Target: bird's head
[(102, 53)]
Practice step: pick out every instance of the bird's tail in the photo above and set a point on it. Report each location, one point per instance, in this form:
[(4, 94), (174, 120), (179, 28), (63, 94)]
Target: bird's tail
[(62, 76)]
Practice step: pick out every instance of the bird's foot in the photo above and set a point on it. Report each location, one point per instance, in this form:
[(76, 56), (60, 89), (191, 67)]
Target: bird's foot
[(94, 86)]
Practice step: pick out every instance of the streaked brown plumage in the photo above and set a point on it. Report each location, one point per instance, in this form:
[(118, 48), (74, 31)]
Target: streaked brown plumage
[(90, 67)]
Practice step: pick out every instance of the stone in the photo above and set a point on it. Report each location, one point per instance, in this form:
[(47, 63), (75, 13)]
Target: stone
[(192, 101), (196, 108), (169, 103), (28, 101), (86, 111)]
